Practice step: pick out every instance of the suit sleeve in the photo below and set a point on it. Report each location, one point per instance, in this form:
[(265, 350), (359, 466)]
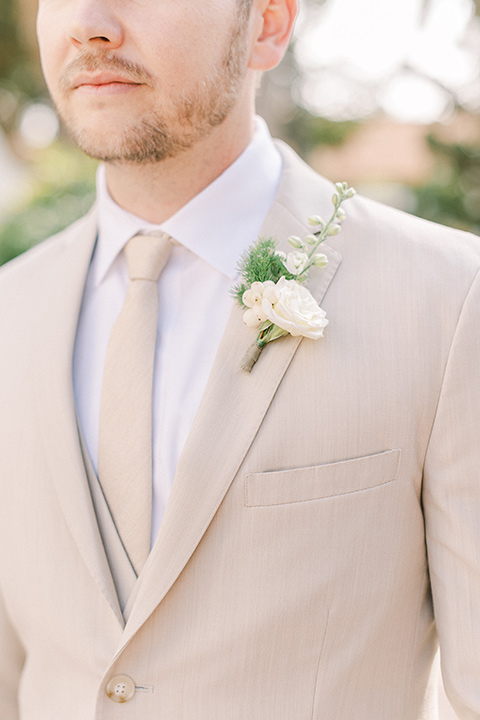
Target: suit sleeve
[(12, 658), (451, 496)]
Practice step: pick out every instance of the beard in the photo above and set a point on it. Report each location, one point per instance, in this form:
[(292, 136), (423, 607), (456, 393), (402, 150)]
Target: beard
[(160, 133)]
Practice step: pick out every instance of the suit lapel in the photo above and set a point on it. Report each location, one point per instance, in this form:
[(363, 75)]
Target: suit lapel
[(232, 410), (64, 275)]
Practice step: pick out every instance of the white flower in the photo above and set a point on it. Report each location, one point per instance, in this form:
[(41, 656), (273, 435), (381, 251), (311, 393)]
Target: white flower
[(319, 260), (253, 296), (296, 262), (252, 299), (254, 318), (293, 308), (296, 242), (334, 229)]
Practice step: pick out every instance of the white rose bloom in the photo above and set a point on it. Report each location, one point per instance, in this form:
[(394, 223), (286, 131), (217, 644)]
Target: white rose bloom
[(294, 309), (296, 262), (269, 294)]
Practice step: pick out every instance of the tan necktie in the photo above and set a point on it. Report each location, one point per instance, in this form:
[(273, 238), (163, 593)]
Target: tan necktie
[(125, 442)]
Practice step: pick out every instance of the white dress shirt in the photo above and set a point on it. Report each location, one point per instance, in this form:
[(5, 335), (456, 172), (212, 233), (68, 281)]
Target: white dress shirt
[(213, 230)]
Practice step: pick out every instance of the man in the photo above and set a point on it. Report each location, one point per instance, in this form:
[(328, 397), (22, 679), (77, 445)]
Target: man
[(314, 523)]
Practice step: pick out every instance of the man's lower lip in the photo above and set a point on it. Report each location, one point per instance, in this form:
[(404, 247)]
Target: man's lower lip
[(113, 88)]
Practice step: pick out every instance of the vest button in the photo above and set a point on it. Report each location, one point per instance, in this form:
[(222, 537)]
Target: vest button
[(120, 689)]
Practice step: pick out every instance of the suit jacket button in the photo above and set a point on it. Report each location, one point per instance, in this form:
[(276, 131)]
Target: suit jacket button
[(121, 689)]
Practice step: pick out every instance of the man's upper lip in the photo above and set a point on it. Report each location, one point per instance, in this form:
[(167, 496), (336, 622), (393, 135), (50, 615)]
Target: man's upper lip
[(103, 78)]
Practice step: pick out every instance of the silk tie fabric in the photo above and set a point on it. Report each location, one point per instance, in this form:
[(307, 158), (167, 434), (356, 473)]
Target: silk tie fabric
[(125, 440)]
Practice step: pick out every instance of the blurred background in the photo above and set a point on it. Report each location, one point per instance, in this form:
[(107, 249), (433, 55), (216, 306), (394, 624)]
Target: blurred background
[(384, 94)]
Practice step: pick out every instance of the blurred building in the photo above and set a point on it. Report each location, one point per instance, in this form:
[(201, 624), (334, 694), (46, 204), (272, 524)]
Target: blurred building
[(383, 158)]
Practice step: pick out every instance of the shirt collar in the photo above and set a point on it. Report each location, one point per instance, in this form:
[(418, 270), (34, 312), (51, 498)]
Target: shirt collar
[(218, 224)]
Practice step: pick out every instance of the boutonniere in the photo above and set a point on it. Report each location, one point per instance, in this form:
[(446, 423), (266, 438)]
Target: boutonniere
[(273, 292)]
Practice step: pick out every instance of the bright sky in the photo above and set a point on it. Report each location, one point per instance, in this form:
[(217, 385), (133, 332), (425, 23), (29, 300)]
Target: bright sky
[(361, 55)]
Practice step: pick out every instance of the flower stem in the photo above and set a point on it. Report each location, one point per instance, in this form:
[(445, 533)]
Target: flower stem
[(251, 357), (323, 234)]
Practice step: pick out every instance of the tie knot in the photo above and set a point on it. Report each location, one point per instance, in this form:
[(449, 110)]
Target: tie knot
[(147, 256)]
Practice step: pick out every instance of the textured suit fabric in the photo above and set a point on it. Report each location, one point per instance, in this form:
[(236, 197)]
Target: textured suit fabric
[(322, 530), (123, 574), (125, 438)]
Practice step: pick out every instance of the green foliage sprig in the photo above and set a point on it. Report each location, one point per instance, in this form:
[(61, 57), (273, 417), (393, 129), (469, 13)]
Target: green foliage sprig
[(259, 264)]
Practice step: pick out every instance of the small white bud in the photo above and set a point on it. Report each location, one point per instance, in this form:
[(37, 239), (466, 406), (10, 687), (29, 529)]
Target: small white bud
[(333, 229), (340, 214), (350, 193), (319, 260), (296, 242), (311, 239), (252, 319), (316, 220), (335, 200)]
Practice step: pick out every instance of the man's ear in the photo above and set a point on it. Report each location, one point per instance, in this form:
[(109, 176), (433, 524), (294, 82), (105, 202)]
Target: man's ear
[(273, 24)]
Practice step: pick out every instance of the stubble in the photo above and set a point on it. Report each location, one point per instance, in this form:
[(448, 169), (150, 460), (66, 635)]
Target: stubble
[(162, 132)]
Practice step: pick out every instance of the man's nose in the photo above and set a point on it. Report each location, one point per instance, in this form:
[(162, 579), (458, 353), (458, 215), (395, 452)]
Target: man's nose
[(95, 24)]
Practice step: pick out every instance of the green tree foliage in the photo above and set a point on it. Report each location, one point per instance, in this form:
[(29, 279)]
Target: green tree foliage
[(20, 77), (306, 131), (452, 197), (45, 215), (10, 46), (62, 189)]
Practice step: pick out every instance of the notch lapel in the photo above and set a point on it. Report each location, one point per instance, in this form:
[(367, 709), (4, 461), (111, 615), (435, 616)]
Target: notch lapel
[(231, 412)]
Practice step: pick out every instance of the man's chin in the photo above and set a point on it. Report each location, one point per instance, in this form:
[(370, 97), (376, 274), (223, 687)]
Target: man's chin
[(128, 148), (149, 141), (150, 138), (97, 148)]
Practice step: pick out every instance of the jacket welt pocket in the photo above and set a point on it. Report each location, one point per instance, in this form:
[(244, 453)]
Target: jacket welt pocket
[(321, 481)]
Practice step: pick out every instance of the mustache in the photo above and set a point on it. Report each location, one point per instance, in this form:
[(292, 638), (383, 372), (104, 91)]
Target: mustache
[(104, 62)]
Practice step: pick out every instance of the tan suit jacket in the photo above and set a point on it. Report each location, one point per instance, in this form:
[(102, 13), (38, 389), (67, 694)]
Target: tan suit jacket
[(324, 523)]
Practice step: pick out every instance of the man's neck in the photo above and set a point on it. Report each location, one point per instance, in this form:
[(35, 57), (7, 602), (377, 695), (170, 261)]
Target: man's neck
[(155, 191)]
